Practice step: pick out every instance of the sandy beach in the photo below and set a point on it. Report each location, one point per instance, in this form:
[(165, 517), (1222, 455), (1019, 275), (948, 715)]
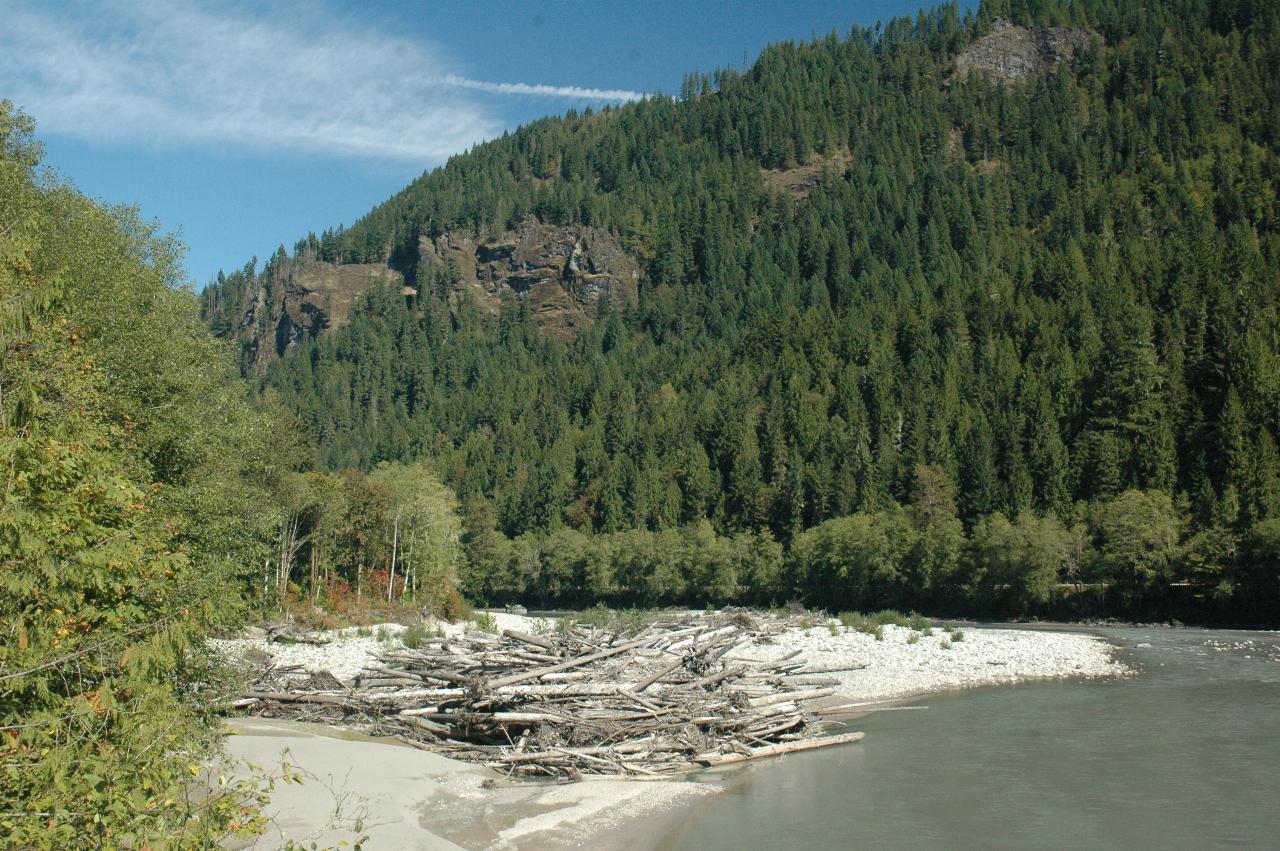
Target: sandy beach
[(405, 798), (353, 786)]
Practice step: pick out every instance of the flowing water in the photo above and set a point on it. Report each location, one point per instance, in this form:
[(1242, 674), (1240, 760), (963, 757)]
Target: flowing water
[(1184, 755)]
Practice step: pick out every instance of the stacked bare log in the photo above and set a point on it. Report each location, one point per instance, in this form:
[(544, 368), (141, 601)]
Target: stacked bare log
[(580, 702)]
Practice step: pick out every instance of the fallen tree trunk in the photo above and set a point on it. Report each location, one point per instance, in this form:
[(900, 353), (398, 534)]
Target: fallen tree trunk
[(564, 666), (710, 759), (792, 696), (536, 641), (289, 697)]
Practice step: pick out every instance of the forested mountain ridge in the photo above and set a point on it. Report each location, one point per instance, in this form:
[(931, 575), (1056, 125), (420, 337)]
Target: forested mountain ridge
[(1028, 299), (258, 308)]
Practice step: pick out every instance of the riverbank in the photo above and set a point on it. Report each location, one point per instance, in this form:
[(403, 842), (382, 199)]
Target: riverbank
[(345, 786), (896, 661), (414, 799)]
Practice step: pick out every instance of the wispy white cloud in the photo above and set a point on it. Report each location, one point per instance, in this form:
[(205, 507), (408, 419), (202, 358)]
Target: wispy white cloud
[(294, 79)]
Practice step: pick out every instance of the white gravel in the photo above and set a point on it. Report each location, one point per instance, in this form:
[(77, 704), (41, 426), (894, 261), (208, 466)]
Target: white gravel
[(896, 666), (348, 652)]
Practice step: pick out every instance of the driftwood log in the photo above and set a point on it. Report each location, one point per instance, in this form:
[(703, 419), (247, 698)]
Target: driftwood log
[(579, 702)]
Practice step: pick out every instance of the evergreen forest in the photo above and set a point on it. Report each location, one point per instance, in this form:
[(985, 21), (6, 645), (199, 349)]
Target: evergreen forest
[(1023, 335)]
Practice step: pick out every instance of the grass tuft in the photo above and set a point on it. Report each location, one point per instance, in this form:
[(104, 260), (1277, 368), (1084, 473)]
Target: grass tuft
[(619, 621), (873, 624), (887, 617), (416, 635)]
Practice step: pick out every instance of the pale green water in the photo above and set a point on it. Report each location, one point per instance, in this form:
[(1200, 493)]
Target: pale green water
[(1185, 755)]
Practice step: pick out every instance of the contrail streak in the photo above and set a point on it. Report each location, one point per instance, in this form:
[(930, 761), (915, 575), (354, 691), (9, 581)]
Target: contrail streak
[(622, 95)]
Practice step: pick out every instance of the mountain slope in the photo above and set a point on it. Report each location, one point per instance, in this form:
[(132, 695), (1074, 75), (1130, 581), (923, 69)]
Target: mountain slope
[(1036, 293)]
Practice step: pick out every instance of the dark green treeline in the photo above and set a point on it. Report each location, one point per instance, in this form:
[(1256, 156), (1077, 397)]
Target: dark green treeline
[(1053, 302)]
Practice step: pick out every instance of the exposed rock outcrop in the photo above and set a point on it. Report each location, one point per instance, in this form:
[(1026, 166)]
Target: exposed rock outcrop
[(1012, 52), (798, 181), (564, 273), (309, 298)]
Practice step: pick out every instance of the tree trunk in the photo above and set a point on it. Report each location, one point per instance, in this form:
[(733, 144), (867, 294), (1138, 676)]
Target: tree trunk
[(412, 586), (395, 543), (290, 543)]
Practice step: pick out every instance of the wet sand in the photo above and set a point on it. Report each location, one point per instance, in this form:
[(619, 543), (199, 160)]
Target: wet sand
[(400, 797)]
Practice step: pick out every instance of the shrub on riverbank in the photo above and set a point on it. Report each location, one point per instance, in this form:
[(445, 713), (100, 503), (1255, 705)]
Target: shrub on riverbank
[(118, 413)]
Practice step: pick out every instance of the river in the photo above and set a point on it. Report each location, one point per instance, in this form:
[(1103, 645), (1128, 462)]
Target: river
[(1186, 754)]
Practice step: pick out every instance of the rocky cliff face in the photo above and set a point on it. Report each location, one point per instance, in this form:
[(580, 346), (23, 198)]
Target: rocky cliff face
[(564, 273), (1011, 52), (306, 300)]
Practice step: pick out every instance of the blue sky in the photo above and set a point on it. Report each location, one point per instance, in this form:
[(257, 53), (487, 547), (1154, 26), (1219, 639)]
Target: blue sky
[(243, 126)]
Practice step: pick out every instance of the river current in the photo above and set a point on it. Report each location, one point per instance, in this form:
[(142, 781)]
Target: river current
[(1185, 754)]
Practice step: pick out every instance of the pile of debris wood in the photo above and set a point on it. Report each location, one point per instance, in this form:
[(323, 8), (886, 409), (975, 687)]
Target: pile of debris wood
[(579, 701)]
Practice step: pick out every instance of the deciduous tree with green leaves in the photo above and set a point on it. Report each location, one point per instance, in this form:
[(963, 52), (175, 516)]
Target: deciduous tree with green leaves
[(104, 601)]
